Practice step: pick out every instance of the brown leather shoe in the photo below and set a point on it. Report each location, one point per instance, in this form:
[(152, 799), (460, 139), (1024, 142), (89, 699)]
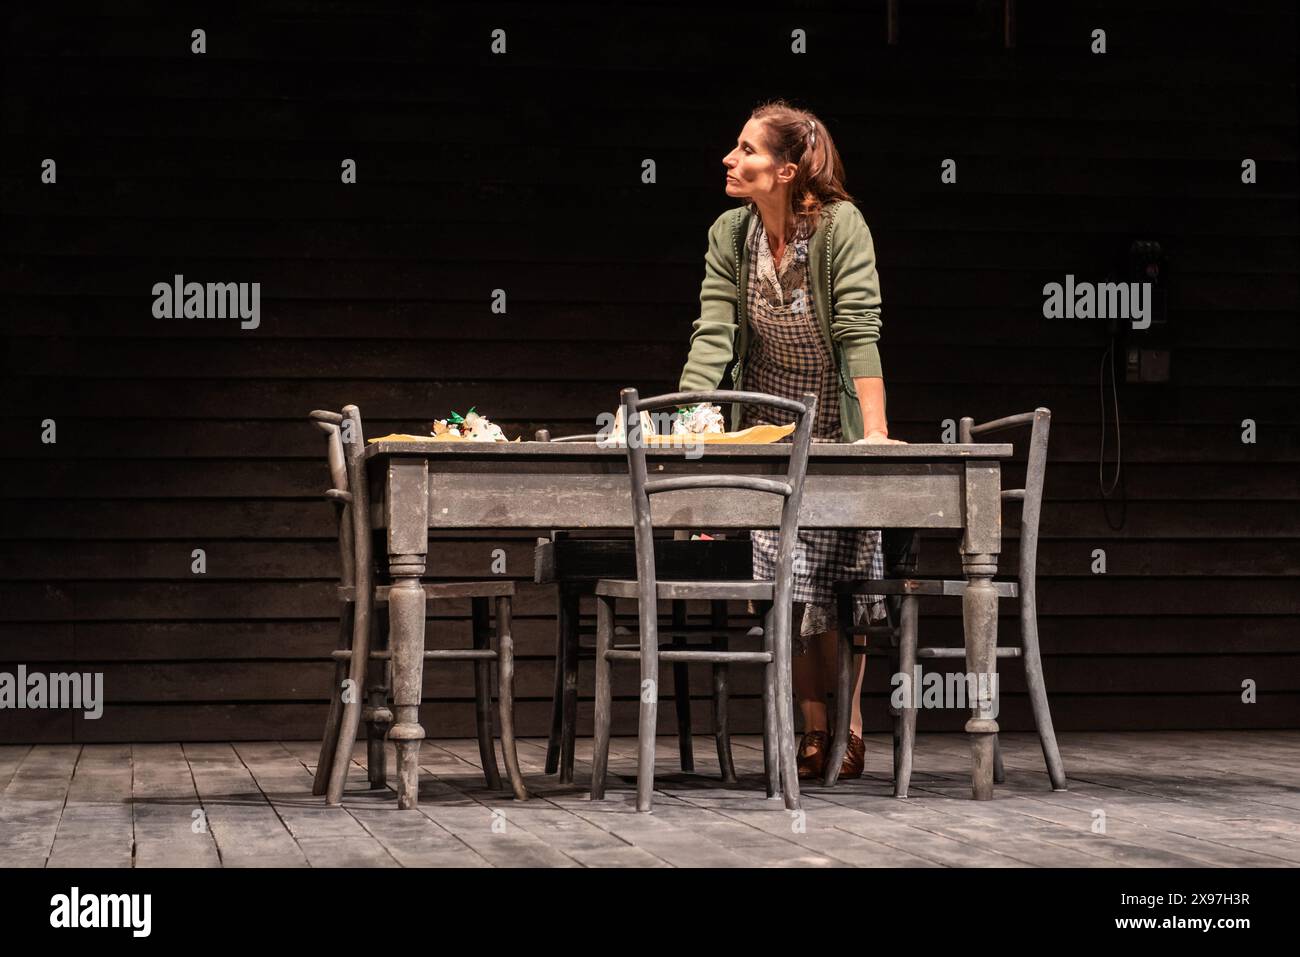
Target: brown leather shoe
[(855, 758), (812, 754)]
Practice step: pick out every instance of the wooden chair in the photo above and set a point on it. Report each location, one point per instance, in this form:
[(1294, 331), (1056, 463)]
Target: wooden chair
[(574, 565), (647, 588), (901, 629), (362, 658)]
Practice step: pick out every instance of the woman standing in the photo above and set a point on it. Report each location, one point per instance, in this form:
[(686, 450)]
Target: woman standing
[(790, 289)]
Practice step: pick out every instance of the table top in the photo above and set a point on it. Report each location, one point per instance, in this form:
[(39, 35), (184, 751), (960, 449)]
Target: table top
[(820, 451)]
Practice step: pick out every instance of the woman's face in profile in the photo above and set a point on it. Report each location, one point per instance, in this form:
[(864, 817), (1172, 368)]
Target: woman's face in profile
[(751, 169)]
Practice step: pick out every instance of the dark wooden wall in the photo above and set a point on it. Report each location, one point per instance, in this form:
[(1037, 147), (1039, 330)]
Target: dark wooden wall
[(522, 172)]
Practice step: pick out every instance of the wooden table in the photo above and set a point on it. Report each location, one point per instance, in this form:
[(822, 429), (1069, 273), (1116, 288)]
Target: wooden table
[(418, 485)]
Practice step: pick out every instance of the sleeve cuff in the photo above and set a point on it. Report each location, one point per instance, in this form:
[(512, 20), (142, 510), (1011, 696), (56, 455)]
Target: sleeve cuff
[(863, 361), (693, 382)]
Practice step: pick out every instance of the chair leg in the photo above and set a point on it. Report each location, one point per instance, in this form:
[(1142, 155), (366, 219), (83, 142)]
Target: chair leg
[(378, 716), (907, 665), (895, 713), (334, 719), (600, 740), (1033, 662), (721, 691), (999, 772), (483, 695), (557, 693), (350, 722), (506, 695), (572, 612), (844, 674), (785, 707), (682, 693), (892, 613), (896, 720), (771, 761), (649, 707)]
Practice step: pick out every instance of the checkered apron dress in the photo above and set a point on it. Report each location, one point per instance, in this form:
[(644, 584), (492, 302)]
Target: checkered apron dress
[(787, 357)]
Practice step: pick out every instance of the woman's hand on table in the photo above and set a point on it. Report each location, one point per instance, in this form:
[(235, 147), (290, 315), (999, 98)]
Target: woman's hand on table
[(876, 437)]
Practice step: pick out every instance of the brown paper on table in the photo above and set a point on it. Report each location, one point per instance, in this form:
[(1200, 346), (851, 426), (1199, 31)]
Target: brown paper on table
[(445, 437), (754, 435)]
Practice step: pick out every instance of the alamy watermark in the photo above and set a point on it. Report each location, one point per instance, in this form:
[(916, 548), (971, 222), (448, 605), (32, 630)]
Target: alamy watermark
[(1102, 300), (179, 299), (977, 690), (37, 690), (75, 909), (657, 432)]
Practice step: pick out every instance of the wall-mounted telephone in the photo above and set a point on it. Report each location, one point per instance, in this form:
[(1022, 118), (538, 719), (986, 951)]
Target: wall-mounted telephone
[(1147, 342)]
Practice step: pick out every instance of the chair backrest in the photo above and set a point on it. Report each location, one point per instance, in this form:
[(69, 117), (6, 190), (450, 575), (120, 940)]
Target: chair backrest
[(330, 423), (1031, 496), (344, 441), (805, 411)]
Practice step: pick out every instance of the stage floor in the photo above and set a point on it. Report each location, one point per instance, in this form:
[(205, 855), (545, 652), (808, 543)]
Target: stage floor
[(1183, 799)]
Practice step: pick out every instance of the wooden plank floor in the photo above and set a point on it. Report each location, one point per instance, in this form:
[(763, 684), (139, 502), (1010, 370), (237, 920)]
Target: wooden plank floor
[(1185, 799)]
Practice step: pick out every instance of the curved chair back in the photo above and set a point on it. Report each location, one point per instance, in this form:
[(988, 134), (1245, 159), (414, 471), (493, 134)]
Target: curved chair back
[(354, 443), (345, 441), (643, 487), (1031, 496), (330, 423)]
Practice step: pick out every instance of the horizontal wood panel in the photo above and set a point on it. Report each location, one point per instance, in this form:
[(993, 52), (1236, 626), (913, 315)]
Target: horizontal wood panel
[(154, 356), (473, 281), (474, 558), (399, 85), (569, 405), (262, 599), (127, 682), (449, 203), (433, 321), (408, 33), (908, 247), (292, 639)]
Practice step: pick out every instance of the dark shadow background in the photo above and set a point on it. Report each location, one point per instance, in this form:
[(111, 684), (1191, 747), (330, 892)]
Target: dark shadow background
[(523, 172)]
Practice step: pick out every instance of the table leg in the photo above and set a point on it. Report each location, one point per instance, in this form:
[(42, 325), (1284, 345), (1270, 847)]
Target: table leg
[(979, 611), (980, 547), (407, 508), (553, 743), (406, 612), (570, 623)]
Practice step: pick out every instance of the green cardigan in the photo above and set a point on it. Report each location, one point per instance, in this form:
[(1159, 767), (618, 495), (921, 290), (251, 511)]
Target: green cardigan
[(843, 259)]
